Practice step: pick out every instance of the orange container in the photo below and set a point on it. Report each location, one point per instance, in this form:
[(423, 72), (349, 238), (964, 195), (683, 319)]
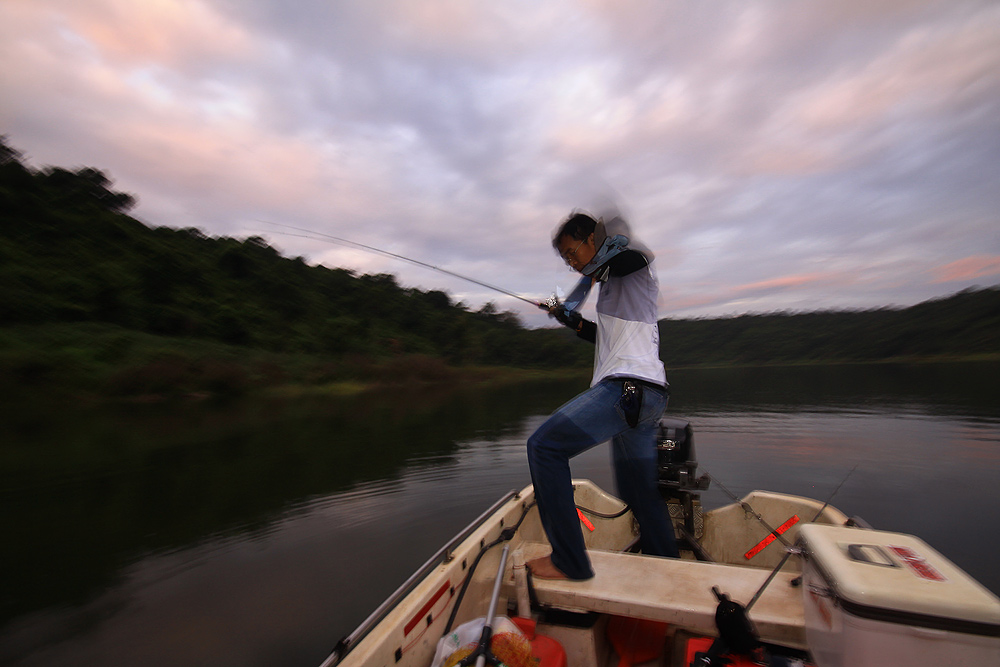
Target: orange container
[(636, 640), (549, 652)]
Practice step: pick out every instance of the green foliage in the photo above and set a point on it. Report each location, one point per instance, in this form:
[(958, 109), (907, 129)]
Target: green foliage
[(69, 253), (962, 325)]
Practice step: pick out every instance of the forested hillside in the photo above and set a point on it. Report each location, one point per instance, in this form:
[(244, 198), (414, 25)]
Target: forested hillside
[(87, 289), (70, 253), (963, 325)]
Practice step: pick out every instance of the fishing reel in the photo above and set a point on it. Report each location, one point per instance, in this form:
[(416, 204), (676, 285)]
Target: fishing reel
[(562, 313), (551, 303)]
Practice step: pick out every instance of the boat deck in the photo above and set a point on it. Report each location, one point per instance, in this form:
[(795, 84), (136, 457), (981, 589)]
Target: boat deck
[(675, 591)]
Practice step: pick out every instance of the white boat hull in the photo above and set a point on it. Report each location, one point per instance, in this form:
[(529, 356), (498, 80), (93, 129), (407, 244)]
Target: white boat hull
[(679, 592)]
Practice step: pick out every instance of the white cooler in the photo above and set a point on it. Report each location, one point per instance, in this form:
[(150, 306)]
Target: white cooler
[(878, 598)]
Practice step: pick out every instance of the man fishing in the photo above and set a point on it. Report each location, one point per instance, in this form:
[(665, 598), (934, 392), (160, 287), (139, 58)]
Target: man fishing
[(624, 403)]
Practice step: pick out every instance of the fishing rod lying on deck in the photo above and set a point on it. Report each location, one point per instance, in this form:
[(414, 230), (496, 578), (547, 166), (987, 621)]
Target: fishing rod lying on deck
[(320, 236), (737, 632)]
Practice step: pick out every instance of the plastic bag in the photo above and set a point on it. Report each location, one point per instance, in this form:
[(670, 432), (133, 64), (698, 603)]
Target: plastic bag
[(510, 646)]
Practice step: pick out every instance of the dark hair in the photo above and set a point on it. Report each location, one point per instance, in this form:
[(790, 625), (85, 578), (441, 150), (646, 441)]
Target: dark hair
[(578, 226)]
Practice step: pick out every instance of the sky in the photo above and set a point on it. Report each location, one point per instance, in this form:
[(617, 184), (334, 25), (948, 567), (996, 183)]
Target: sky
[(775, 155)]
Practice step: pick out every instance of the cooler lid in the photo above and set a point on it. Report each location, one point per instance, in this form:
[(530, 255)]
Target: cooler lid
[(899, 578)]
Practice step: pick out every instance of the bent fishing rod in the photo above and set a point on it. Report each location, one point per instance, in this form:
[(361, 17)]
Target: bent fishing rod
[(320, 236)]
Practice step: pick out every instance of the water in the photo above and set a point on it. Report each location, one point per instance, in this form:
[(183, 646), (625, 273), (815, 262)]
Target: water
[(261, 534)]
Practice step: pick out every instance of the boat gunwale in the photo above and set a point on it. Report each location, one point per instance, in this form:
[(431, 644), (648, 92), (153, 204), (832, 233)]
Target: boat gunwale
[(345, 645)]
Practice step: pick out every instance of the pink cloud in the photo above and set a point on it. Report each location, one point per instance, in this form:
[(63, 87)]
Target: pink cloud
[(783, 282), (674, 301), (976, 266), (166, 32)]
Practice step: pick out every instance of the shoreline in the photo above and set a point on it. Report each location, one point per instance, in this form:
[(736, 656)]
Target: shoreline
[(93, 364)]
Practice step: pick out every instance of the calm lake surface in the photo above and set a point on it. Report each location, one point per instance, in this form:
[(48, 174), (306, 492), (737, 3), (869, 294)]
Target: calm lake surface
[(260, 534)]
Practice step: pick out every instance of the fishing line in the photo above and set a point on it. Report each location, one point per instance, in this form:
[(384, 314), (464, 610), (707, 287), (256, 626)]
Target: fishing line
[(320, 236), (750, 510)]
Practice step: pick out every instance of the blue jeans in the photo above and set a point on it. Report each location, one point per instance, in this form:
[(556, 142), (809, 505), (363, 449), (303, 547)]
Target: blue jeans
[(589, 419)]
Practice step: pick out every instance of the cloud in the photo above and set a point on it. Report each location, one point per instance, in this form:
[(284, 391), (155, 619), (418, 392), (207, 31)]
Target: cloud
[(774, 156), (969, 268), (167, 33), (784, 282)]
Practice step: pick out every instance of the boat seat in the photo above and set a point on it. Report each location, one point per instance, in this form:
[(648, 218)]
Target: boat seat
[(675, 591)]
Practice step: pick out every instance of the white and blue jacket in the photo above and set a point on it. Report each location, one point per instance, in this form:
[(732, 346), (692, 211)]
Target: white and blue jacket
[(626, 334)]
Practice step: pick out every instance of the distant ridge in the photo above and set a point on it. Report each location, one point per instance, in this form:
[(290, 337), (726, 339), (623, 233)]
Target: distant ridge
[(964, 324)]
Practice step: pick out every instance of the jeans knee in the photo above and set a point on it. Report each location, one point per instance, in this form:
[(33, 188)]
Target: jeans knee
[(541, 452), (534, 444)]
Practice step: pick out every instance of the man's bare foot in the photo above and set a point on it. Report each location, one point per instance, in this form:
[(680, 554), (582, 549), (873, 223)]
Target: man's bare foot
[(544, 569)]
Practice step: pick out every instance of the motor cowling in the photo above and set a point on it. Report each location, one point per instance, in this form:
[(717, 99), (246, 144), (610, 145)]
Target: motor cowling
[(677, 469)]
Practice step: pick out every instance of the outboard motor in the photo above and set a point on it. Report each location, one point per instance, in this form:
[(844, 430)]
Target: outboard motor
[(678, 480), (678, 465)]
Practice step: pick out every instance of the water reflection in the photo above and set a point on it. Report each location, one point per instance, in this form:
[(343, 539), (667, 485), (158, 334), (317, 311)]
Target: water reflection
[(114, 487), (966, 389), (259, 535)]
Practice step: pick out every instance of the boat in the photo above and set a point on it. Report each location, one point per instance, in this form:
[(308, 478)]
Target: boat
[(770, 579)]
